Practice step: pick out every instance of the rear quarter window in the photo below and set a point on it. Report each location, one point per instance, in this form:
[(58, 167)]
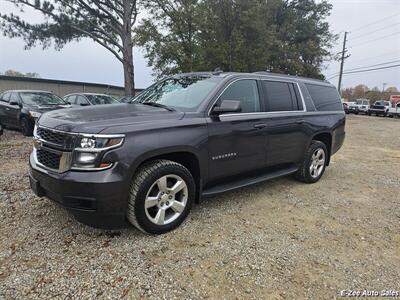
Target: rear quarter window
[(325, 98)]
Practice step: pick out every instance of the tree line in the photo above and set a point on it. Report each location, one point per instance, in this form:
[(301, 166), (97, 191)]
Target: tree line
[(362, 91), (283, 36), (14, 73)]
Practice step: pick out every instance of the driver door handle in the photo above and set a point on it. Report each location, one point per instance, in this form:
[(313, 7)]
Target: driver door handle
[(300, 121), (260, 126)]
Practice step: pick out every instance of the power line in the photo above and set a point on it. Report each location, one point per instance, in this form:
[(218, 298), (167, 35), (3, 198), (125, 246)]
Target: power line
[(377, 39), (373, 23), (380, 56), (376, 65), (367, 70), (374, 69), (370, 66), (368, 33)]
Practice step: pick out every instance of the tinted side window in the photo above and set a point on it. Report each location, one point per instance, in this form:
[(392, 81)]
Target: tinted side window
[(325, 98), (280, 96), (81, 100), (5, 97), (246, 92)]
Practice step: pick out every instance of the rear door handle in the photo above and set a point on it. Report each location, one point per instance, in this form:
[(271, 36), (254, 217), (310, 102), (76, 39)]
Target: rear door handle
[(260, 126), (300, 121), (7, 108)]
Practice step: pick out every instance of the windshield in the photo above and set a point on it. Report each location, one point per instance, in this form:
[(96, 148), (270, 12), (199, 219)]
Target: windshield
[(126, 99), (184, 93), (101, 99), (37, 98)]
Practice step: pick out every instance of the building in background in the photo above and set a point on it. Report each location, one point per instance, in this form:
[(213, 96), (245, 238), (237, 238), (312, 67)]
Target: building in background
[(59, 87)]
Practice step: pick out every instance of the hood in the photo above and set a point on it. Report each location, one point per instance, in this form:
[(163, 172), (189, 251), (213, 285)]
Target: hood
[(45, 108), (96, 118)]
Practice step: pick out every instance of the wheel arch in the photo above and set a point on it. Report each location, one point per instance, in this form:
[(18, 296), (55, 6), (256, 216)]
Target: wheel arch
[(326, 138), (184, 156)]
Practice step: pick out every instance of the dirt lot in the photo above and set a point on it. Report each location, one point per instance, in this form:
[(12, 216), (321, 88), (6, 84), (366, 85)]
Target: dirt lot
[(276, 240)]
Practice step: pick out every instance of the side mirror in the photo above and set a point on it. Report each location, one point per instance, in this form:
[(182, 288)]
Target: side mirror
[(13, 102), (227, 106)]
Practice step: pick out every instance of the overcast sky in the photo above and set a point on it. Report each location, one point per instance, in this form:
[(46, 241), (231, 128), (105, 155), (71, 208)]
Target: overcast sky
[(374, 39)]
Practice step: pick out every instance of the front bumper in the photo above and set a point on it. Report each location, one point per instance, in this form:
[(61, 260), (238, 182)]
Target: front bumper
[(379, 111), (353, 110), (98, 199)]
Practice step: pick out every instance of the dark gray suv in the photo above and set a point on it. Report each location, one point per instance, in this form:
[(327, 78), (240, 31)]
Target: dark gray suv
[(191, 135)]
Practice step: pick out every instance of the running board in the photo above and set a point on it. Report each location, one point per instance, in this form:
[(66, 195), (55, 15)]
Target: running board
[(239, 183)]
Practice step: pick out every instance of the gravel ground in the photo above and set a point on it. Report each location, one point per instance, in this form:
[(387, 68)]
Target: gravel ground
[(277, 240)]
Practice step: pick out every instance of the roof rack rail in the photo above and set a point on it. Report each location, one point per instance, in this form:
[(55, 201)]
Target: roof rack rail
[(287, 75)]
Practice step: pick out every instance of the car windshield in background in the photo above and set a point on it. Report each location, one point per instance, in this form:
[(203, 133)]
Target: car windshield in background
[(183, 93), (126, 99), (32, 98), (101, 99)]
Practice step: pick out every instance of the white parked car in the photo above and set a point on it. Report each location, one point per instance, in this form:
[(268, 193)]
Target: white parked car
[(360, 105), (394, 111)]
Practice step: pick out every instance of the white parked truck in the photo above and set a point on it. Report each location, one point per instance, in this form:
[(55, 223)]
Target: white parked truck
[(394, 111), (380, 107), (360, 105)]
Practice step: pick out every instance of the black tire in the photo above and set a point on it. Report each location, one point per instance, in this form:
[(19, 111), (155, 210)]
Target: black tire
[(356, 113), (26, 127), (304, 174), (142, 184), (369, 113)]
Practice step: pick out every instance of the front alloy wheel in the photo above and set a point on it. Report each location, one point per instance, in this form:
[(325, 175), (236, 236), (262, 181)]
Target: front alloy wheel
[(161, 196), (166, 199)]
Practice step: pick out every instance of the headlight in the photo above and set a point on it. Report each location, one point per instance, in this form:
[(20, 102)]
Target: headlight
[(99, 142), (35, 114), (90, 150)]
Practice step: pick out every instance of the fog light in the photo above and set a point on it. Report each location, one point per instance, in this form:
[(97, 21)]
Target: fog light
[(85, 158)]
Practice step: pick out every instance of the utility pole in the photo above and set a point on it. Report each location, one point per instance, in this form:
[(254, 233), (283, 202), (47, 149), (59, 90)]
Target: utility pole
[(344, 56)]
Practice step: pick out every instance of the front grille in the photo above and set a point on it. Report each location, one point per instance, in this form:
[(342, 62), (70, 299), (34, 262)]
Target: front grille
[(50, 136), (48, 159)]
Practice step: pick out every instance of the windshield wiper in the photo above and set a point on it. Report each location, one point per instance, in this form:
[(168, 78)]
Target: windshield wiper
[(154, 104)]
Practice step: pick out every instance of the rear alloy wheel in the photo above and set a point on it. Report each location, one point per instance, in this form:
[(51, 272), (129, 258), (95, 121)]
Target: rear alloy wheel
[(317, 163), (314, 163), (26, 128), (161, 196)]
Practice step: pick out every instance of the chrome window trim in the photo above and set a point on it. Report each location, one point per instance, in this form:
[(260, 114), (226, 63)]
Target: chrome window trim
[(282, 114), (304, 110)]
